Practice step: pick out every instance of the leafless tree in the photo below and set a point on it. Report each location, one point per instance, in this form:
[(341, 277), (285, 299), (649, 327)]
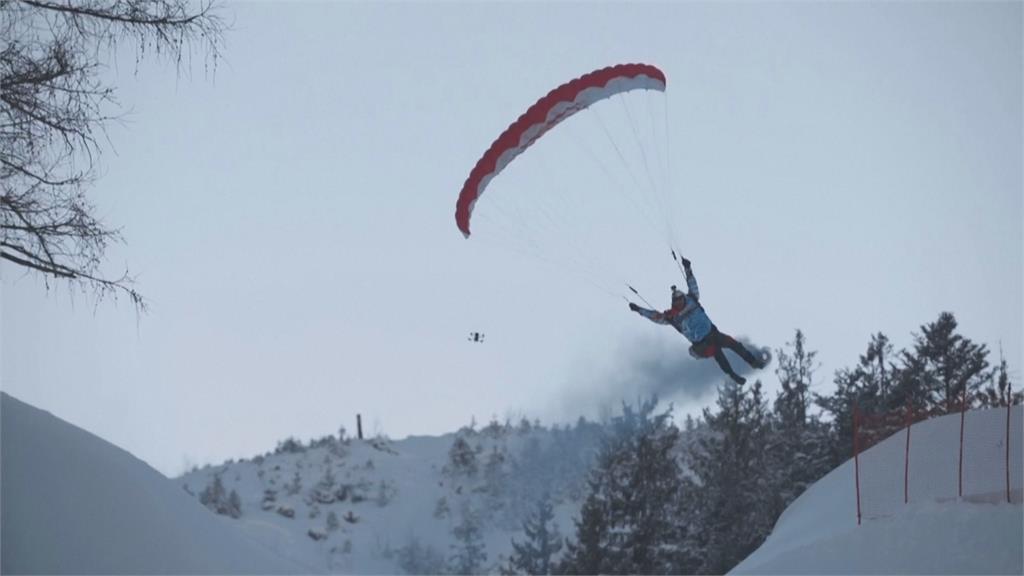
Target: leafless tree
[(54, 108)]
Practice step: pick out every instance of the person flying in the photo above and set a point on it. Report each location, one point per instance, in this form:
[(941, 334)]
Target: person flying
[(688, 317)]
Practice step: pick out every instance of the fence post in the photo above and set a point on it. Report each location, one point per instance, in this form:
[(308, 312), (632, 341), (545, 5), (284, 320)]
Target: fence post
[(960, 471), (1009, 404), (906, 455), (856, 459)]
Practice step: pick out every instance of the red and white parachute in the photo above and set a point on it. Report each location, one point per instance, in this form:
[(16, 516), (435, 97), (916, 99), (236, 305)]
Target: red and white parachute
[(594, 196), (558, 105)]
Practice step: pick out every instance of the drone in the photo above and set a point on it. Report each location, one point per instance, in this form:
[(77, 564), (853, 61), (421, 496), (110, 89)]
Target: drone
[(476, 337)]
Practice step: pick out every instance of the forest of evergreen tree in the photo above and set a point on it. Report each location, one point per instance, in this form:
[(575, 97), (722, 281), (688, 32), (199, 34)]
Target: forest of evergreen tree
[(662, 499)]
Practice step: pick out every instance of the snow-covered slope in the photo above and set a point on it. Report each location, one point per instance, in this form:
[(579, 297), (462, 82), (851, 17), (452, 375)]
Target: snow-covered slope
[(818, 533), (72, 503), (386, 495)]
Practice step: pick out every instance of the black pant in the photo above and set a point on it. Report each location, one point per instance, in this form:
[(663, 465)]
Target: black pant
[(715, 341)]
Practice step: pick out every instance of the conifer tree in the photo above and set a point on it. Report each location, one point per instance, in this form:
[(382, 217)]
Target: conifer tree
[(216, 498), (234, 505), (495, 479), (295, 486), (628, 523), (418, 558), (543, 542), (587, 554), (323, 491), (794, 371), (942, 368), (213, 496), (798, 445), (462, 458), (332, 521), (725, 501), (999, 391), (468, 553), (867, 386)]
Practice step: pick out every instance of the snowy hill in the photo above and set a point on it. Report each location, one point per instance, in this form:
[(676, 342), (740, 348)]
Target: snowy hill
[(73, 503), (818, 533), (379, 506)]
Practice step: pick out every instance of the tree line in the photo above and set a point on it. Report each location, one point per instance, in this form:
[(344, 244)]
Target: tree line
[(699, 499)]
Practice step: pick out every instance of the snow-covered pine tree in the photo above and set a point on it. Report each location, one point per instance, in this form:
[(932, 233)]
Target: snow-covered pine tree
[(216, 498), (289, 446), (468, 552), (213, 496), (798, 446), (323, 491), (295, 486), (868, 386), (795, 370), (556, 461), (628, 523), (495, 480), (942, 364), (999, 391), (418, 558), (649, 503), (234, 508), (530, 474), (725, 502), (524, 427), (462, 460), (385, 493), (587, 554), (441, 508), (535, 555), (269, 501)]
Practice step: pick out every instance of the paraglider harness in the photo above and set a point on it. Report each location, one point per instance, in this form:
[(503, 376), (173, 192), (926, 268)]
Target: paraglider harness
[(707, 347), (704, 348)]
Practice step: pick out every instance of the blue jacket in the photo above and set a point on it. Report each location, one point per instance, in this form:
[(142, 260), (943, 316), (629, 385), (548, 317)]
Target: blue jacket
[(686, 314)]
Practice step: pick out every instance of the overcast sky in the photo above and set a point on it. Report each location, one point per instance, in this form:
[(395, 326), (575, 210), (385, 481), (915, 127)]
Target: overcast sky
[(841, 168)]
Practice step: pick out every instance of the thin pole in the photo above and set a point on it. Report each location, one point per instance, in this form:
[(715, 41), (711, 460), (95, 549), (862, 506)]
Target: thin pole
[(963, 413), (906, 457), (1009, 403), (856, 452)]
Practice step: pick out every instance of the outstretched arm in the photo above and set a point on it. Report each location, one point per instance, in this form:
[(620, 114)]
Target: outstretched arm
[(691, 280), (652, 315)]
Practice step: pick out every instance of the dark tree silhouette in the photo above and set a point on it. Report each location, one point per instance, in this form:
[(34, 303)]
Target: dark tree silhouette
[(54, 108)]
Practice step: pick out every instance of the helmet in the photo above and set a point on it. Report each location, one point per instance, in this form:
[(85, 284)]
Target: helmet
[(677, 294)]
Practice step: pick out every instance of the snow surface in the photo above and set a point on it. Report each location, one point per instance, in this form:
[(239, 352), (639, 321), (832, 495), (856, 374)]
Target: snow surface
[(412, 475), (71, 503), (818, 532)]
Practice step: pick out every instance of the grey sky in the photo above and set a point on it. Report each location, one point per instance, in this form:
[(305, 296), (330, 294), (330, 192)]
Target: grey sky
[(846, 168)]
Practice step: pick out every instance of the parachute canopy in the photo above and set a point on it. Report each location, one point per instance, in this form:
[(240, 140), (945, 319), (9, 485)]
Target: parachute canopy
[(556, 106)]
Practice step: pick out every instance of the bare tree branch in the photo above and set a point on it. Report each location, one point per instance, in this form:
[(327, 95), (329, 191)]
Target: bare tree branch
[(131, 15), (53, 108)]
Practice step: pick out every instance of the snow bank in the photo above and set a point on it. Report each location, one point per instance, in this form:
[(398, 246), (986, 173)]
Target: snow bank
[(818, 533), (72, 503)]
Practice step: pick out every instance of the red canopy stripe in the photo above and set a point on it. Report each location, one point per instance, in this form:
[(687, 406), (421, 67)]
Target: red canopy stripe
[(536, 121)]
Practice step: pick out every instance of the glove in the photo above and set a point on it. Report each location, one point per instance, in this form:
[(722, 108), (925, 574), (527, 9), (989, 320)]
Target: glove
[(686, 263), (633, 307)]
